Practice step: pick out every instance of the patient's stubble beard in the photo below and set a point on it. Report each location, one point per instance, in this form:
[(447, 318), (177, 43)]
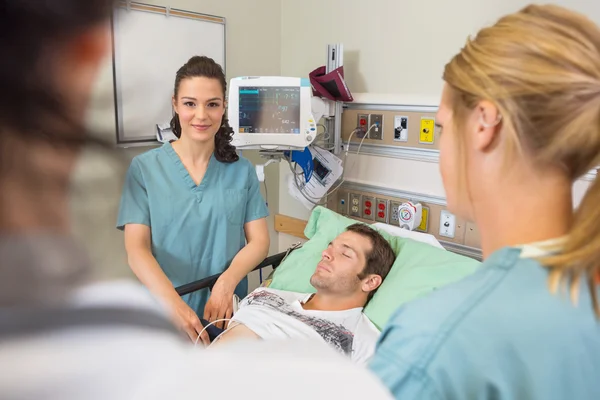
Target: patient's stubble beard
[(318, 283), (334, 285)]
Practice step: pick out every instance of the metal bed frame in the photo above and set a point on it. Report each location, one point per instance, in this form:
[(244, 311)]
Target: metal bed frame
[(208, 282)]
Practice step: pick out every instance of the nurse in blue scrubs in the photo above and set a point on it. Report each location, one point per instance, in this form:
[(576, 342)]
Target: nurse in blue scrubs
[(191, 208), (519, 122)]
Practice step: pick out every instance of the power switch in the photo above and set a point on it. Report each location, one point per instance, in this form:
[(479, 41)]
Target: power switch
[(447, 224)]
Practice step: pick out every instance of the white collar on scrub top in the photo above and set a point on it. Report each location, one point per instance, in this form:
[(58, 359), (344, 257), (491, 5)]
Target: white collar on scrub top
[(542, 248)]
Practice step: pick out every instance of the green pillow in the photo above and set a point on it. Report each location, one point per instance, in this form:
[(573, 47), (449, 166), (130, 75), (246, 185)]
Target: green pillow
[(419, 267)]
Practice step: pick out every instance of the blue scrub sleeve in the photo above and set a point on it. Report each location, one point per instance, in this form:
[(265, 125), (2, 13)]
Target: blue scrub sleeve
[(133, 208), (256, 207), (393, 364)]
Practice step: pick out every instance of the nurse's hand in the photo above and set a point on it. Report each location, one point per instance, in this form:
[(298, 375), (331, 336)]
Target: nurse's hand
[(187, 321), (220, 303)]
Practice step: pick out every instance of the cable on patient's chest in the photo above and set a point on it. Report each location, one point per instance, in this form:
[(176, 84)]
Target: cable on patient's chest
[(202, 331)]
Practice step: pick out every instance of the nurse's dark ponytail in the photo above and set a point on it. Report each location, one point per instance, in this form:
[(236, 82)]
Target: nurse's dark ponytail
[(201, 66)]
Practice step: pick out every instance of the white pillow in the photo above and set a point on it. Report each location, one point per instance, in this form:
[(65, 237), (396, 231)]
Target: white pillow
[(418, 236)]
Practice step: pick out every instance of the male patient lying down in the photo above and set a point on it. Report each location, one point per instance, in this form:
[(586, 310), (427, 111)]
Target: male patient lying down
[(351, 269)]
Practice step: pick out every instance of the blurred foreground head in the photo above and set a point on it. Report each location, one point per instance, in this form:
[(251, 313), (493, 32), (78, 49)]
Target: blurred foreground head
[(51, 52)]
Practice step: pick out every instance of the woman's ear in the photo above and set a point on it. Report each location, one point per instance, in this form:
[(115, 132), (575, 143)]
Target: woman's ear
[(371, 283), (174, 104), (487, 125)]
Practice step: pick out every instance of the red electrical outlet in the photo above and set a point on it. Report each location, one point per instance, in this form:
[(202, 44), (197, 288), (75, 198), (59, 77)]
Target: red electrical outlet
[(382, 211), (368, 205), (362, 125)]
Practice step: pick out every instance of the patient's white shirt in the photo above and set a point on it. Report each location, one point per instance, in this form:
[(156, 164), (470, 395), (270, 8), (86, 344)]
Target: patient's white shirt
[(277, 314), (122, 362)]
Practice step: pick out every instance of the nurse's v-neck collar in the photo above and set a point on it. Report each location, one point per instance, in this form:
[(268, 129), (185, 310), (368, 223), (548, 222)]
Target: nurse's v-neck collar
[(187, 178)]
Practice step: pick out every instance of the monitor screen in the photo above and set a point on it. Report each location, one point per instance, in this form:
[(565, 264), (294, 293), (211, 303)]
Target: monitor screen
[(320, 170), (269, 109)]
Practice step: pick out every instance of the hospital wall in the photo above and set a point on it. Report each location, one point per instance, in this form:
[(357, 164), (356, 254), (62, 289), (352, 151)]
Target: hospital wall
[(253, 48), (394, 53)]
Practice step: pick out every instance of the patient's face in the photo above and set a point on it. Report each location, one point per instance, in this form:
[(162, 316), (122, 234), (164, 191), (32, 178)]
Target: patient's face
[(341, 263)]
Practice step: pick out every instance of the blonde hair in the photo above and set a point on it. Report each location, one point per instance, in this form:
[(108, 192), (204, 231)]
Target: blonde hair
[(541, 68)]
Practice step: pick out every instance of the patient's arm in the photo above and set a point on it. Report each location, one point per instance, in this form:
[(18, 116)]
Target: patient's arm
[(235, 333)]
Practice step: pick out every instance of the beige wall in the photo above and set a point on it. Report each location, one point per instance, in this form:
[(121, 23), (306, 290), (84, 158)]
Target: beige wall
[(253, 48), (391, 46), (394, 53)]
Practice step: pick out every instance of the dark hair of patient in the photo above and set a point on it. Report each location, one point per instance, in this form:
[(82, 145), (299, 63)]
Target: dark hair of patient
[(381, 257)]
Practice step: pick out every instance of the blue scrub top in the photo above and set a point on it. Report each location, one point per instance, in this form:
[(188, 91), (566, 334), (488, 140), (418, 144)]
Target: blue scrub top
[(196, 229), (498, 334)]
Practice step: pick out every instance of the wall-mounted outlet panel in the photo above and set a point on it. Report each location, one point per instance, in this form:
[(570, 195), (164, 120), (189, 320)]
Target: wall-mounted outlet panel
[(362, 125), (436, 220), (376, 131), (381, 211), (394, 217), (447, 224), (426, 135), (368, 207), (342, 203), (424, 226), (455, 233), (355, 205), (400, 128)]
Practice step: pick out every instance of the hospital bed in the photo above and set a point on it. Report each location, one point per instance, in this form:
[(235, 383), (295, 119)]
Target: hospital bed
[(275, 260), (422, 264)]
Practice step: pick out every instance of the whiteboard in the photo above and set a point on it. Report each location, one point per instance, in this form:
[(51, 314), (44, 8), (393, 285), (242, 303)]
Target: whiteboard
[(150, 44)]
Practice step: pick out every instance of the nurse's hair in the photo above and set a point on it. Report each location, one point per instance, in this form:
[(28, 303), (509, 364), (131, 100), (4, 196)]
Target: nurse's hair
[(201, 66), (541, 68)]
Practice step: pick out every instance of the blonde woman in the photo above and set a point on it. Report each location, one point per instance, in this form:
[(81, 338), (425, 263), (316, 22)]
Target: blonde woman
[(520, 122)]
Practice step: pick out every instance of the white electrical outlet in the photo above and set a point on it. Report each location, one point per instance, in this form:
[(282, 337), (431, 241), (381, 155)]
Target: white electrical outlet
[(354, 205), (447, 224), (394, 217)]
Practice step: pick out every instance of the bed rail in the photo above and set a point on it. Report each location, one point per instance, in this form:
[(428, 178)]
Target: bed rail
[(208, 282)]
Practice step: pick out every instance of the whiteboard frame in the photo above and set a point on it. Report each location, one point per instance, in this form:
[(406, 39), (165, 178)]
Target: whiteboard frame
[(169, 12)]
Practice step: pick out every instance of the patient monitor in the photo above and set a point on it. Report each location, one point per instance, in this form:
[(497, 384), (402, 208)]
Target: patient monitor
[(272, 113)]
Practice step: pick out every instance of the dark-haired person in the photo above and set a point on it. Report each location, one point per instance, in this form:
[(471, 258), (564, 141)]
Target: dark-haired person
[(65, 332), (193, 207), (351, 270)]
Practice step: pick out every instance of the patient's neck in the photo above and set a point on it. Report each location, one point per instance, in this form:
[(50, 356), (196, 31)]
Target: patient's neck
[(333, 302)]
